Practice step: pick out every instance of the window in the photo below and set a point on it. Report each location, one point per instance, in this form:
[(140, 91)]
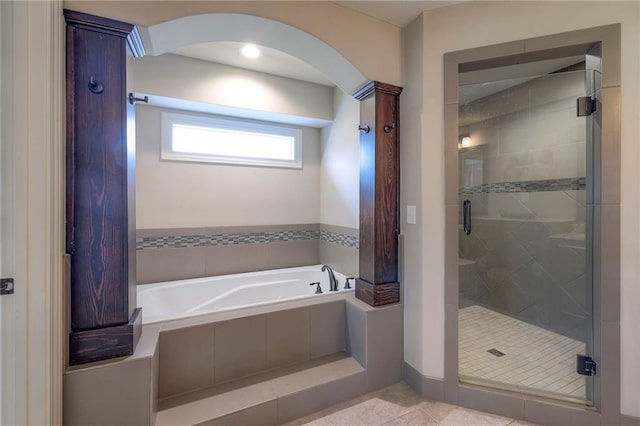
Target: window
[(230, 141)]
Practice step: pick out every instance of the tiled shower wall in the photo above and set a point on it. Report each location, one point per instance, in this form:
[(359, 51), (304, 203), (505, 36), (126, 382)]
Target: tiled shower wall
[(528, 132), (182, 253), (533, 270), (525, 178)]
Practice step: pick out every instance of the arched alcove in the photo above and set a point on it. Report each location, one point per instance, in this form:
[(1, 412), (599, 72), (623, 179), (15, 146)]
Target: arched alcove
[(331, 200), (211, 27), (379, 167), (111, 328)]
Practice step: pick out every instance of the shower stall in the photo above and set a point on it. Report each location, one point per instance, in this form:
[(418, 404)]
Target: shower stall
[(527, 142)]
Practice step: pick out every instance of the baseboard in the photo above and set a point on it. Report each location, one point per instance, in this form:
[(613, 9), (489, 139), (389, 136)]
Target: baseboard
[(510, 404), (629, 420), (427, 387), (412, 378)]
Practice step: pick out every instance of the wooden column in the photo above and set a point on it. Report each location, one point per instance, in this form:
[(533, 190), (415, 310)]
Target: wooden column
[(100, 190), (379, 193)]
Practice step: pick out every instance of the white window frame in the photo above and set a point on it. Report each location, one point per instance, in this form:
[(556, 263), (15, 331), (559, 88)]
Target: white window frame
[(168, 119)]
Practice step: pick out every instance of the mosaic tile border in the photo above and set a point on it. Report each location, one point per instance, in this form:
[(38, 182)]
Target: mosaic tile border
[(566, 184), (342, 239), (185, 241)]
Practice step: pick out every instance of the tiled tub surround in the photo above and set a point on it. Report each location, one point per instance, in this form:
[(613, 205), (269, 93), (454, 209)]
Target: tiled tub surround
[(258, 366), (225, 239), (183, 253), (339, 247), (123, 391)]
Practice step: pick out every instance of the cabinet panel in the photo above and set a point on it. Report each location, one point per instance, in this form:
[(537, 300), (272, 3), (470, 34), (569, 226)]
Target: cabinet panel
[(379, 194), (97, 182), (100, 184)]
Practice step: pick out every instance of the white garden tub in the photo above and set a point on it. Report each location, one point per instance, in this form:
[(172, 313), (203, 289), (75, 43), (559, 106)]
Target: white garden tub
[(187, 298)]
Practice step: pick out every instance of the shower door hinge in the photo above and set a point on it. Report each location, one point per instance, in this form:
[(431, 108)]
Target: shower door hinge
[(586, 365), (6, 286), (586, 106)]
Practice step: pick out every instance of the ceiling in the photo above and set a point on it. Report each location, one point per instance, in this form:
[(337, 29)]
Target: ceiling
[(399, 12), (271, 61)]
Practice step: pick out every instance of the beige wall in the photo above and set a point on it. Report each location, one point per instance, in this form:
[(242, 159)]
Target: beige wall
[(370, 45), (340, 165), (194, 80), (325, 191), (465, 26), (412, 181), (175, 194)]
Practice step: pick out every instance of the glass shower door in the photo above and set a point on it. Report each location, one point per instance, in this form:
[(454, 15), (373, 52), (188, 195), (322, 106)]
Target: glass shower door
[(525, 279)]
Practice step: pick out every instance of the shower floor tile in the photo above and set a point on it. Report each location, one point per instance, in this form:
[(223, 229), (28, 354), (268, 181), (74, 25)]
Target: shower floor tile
[(534, 357)]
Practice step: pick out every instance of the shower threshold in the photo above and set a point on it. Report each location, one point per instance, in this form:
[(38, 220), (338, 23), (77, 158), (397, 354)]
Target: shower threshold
[(465, 380)]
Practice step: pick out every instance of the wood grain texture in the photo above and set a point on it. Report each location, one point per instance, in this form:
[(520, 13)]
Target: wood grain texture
[(379, 183), (386, 197), (100, 206), (97, 241), (367, 191), (377, 294), (105, 343)]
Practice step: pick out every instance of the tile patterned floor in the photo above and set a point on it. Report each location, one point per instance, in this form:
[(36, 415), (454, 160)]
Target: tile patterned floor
[(398, 405), (534, 358)]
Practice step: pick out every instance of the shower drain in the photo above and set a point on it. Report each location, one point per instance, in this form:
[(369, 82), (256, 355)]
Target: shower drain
[(496, 352)]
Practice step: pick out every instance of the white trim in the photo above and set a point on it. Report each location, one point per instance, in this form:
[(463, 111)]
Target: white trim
[(33, 120), (6, 339), (13, 122), (58, 190), (170, 119)]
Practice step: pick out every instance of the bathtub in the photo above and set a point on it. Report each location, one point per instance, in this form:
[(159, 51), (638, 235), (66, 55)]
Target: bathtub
[(199, 296)]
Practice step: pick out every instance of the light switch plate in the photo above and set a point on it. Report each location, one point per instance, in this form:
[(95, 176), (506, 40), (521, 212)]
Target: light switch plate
[(411, 215)]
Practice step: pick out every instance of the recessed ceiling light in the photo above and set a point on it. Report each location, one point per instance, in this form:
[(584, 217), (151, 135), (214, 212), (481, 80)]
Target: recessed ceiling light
[(251, 51)]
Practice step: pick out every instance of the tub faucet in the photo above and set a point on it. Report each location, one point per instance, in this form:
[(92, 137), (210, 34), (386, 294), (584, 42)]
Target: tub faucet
[(347, 286), (318, 288), (333, 282)]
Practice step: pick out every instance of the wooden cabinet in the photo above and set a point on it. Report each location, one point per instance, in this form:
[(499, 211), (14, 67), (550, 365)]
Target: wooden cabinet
[(100, 232)]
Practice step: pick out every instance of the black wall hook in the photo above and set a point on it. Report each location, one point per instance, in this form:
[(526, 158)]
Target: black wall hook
[(365, 129), (133, 99), (95, 86)]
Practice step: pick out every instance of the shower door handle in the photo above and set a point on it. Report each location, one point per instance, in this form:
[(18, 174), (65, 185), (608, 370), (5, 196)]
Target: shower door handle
[(466, 216)]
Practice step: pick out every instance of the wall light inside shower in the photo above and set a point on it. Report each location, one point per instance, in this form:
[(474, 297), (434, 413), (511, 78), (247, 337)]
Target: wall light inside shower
[(465, 141)]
